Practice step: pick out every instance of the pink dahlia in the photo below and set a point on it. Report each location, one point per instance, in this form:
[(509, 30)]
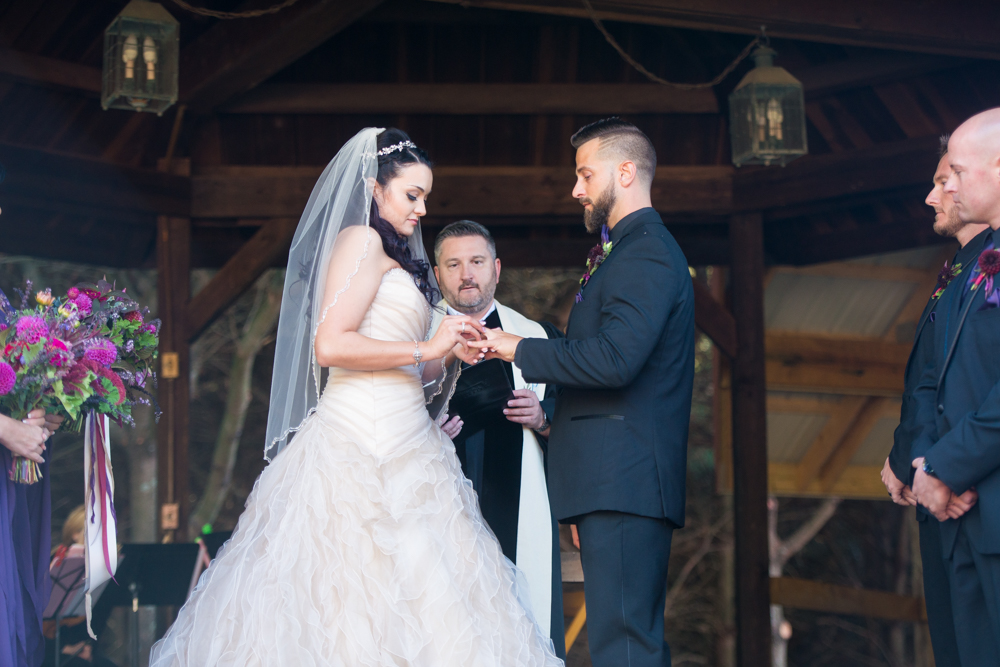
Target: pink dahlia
[(83, 304), (104, 353), (73, 293), (7, 377), (30, 329)]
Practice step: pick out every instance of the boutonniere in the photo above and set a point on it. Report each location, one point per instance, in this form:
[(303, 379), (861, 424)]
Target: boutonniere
[(595, 258), (989, 266), (945, 276)]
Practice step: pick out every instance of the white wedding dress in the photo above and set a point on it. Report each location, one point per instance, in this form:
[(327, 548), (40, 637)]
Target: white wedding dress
[(362, 543)]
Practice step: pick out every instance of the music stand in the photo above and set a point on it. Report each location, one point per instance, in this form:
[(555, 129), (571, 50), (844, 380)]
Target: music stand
[(68, 596), (151, 575)]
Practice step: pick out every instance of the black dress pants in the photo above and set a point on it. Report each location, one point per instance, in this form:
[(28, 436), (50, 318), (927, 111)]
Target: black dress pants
[(937, 593), (624, 559), (975, 592)]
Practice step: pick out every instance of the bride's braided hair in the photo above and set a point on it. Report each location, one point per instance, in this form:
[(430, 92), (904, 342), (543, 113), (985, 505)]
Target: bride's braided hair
[(396, 246)]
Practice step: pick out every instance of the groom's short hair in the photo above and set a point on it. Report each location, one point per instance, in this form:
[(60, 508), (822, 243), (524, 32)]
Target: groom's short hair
[(463, 228), (622, 141)]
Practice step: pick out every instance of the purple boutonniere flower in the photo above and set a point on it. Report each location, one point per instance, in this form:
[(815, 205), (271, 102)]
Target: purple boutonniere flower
[(595, 258), (945, 276), (989, 266)]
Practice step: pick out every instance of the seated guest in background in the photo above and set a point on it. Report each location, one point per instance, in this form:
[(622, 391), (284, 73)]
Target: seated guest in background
[(957, 450), (898, 471), (504, 458)]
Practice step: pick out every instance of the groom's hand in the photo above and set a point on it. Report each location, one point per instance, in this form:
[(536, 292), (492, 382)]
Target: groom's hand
[(498, 344)]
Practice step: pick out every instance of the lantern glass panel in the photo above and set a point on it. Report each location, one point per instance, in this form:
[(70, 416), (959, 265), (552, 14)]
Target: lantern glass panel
[(767, 123), (141, 52)]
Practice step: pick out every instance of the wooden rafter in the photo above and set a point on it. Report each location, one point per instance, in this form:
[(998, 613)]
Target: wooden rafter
[(842, 416), (793, 348), (843, 378), (264, 249), (230, 192), (714, 320), (40, 70), (830, 598), (871, 412), (473, 98), (77, 185), (234, 56), (880, 25)]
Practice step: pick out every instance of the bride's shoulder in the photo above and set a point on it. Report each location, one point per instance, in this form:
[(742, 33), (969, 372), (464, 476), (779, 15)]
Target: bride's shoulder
[(359, 238)]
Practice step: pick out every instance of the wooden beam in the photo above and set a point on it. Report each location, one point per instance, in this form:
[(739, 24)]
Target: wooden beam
[(89, 186), (859, 271), (473, 98), (796, 242), (714, 320), (795, 348), (753, 625), (868, 69), (234, 56), (869, 415), (864, 379), (813, 178), (891, 24), (858, 482), (269, 245), (42, 71), (234, 192), (842, 416), (834, 599), (173, 290)]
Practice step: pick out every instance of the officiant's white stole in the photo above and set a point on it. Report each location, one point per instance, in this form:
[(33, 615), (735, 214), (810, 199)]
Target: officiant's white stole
[(534, 516)]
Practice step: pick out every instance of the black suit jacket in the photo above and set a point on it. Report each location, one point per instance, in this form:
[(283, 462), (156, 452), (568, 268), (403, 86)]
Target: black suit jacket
[(922, 356), (625, 372), (958, 405)]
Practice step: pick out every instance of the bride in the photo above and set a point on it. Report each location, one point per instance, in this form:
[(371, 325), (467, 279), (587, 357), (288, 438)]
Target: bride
[(362, 543)]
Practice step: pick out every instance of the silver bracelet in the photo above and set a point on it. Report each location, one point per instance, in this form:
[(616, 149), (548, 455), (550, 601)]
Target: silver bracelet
[(417, 354)]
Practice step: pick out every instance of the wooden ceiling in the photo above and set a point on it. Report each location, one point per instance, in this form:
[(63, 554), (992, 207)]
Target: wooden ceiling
[(492, 89)]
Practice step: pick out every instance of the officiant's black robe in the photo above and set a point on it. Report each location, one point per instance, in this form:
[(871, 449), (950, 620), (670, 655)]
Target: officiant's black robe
[(491, 459)]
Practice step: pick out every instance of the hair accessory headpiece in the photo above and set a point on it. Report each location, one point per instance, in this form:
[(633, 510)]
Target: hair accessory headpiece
[(396, 147)]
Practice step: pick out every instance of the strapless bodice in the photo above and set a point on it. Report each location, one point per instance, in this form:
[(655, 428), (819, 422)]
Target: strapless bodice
[(358, 403)]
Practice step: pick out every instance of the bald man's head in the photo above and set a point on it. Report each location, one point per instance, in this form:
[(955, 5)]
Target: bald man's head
[(974, 156)]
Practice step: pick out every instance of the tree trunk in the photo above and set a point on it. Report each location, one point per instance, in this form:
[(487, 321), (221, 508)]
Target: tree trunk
[(254, 336), (781, 552)]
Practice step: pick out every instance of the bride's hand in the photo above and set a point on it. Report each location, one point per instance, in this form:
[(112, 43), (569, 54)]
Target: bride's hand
[(454, 332)]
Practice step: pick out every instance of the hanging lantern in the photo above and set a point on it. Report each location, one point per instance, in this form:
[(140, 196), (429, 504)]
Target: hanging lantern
[(141, 50), (767, 117)]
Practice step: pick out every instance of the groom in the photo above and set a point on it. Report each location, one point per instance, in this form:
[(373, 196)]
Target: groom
[(618, 449), (504, 458)]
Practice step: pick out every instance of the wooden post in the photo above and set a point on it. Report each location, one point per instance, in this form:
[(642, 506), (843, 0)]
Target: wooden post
[(173, 250), (753, 613)]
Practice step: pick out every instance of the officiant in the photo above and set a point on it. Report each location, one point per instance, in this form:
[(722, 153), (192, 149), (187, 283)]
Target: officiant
[(502, 442)]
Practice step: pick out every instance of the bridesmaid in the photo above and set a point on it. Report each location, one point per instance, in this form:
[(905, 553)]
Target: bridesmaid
[(25, 526), (25, 536)]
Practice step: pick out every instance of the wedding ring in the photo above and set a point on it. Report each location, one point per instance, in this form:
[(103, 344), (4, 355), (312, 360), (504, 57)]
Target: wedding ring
[(463, 327)]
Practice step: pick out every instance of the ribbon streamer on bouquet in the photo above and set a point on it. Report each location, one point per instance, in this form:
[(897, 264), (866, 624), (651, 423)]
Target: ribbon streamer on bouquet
[(99, 494)]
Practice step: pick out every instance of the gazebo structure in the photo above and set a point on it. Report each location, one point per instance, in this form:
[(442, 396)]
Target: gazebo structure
[(815, 339)]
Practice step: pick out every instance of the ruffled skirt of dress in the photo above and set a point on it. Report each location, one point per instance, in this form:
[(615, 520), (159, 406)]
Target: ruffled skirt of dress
[(346, 558)]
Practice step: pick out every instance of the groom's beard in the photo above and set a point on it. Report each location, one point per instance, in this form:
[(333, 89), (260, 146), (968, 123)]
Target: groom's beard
[(598, 215)]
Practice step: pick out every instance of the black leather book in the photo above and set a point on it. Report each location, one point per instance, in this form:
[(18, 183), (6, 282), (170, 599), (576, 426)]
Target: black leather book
[(481, 395)]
